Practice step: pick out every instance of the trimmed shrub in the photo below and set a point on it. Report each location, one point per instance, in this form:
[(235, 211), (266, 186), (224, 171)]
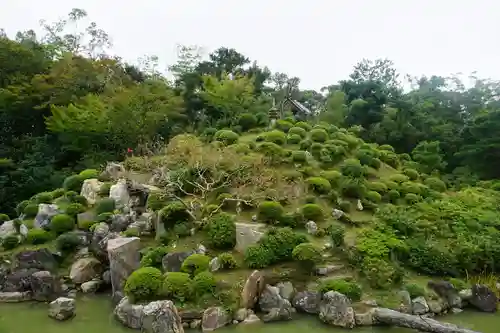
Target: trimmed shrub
[(299, 156), (386, 147), (308, 254), (73, 183), (283, 125), (389, 158), (75, 209), (62, 223), (143, 284), (305, 144), (412, 198), (89, 173), (336, 232), (57, 193), (131, 232), (156, 201), (293, 139), (411, 173), (270, 211), (270, 149), (377, 187), (106, 205), (303, 125), (277, 137), (22, 206), (257, 256), (373, 196), (352, 187), (380, 273), (435, 183), (227, 137), (319, 135), (458, 283), (350, 289), (10, 242), (352, 168), (177, 285), (105, 187), (333, 176), (298, 131), (411, 187), (154, 256), (222, 231), (290, 220), (68, 243), (312, 212), (227, 261), (105, 217), (31, 210), (345, 206), (414, 290), (195, 264), (80, 199), (38, 236), (85, 225), (182, 230), (247, 121), (393, 196), (204, 283), (281, 242), (174, 213), (43, 197), (319, 185), (399, 178), (3, 218)]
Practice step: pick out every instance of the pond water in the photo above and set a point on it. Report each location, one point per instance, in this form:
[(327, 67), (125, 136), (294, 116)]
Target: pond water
[(94, 314)]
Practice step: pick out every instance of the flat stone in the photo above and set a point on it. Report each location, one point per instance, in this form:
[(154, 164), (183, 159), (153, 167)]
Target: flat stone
[(15, 296), (124, 258), (248, 234), (62, 308)]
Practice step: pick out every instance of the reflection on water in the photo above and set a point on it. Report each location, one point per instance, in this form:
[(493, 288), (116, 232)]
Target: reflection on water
[(94, 314)]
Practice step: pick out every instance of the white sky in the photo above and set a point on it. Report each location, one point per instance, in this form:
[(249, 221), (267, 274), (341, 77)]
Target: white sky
[(316, 40)]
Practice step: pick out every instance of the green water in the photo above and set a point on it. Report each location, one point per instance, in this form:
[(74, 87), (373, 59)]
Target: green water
[(95, 315)]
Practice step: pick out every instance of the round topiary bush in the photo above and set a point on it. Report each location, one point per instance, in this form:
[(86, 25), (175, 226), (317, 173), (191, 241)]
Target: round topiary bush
[(303, 125), (298, 131), (336, 232), (258, 256), (85, 225), (106, 205), (43, 197), (195, 264), (386, 147), (89, 174), (319, 185), (411, 173), (62, 223), (204, 283), (38, 236), (312, 212), (414, 290), (144, 284), (308, 254), (21, 207), (178, 286), (270, 149), (319, 135), (412, 198), (435, 184), (105, 188), (293, 139), (373, 196), (227, 137), (10, 242), (68, 243), (352, 168), (247, 121), (411, 187), (222, 231), (227, 261), (333, 176), (31, 210), (57, 193), (393, 196), (3, 218), (153, 257), (270, 211), (73, 183), (299, 156), (283, 125), (399, 178), (105, 217), (277, 137), (377, 187), (75, 209), (350, 289), (174, 213), (352, 187), (305, 144)]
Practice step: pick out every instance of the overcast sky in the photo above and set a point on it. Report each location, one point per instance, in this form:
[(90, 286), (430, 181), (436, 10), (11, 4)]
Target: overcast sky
[(316, 40)]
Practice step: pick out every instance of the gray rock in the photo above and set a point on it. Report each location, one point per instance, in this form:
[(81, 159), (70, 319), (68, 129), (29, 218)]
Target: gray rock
[(254, 285), (311, 227), (62, 308), (7, 228), (41, 259), (214, 264), (337, 213), (286, 290), (90, 190), (359, 205), (45, 286), (106, 277), (307, 301), (254, 218), (114, 171), (214, 318), (124, 258), (84, 252), (372, 303), (335, 309), (86, 216), (248, 234), (195, 324), (364, 318), (435, 307), (161, 317), (465, 294), (85, 269), (329, 269), (275, 306), (15, 296), (419, 306), (201, 249), (241, 314), (172, 262), (483, 298), (456, 310), (251, 319), (405, 305), (446, 291), (19, 280), (120, 222), (91, 287), (128, 314), (45, 213), (119, 193), (23, 230)]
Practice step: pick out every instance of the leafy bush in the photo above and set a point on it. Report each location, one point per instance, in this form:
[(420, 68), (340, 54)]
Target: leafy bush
[(62, 223), (411, 187), (459, 284), (303, 125), (3, 218), (31, 210), (10, 242), (277, 137), (154, 256), (257, 256), (131, 232), (144, 284), (377, 187), (336, 232), (299, 156), (293, 139), (85, 225), (20, 208), (204, 283), (345, 206), (305, 144), (177, 285), (283, 125), (75, 209), (411, 173), (227, 137), (105, 217), (435, 183), (308, 254), (182, 230), (156, 201), (399, 178), (38, 236), (373, 196), (333, 176), (247, 121), (173, 213), (298, 131), (319, 185), (352, 168), (414, 290), (319, 135), (68, 243), (350, 289), (57, 193), (290, 220), (104, 190), (43, 197), (368, 157), (89, 173), (106, 205), (412, 198), (271, 149), (312, 212), (227, 261), (281, 242), (222, 231), (352, 187), (195, 264), (270, 211), (73, 183), (386, 147), (389, 158), (380, 273), (393, 196)]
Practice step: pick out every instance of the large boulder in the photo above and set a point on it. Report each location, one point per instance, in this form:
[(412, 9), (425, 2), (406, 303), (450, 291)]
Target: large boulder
[(7, 229), (128, 314), (120, 222), (312, 228), (286, 290), (405, 304), (19, 280), (252, 289), (99, 243), (335, 309), (124, 258), (161, 317), (307, 301), (45, 213), (172, 262), (275, 306), (447, 292), (419, 306), (45, 286), (62, 308), (248, 234), (85, 269), (90, 190), (41, 259), (483, 298), (214, 318), (114, 171), (15, 296), (119, 193), (91, 287)]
